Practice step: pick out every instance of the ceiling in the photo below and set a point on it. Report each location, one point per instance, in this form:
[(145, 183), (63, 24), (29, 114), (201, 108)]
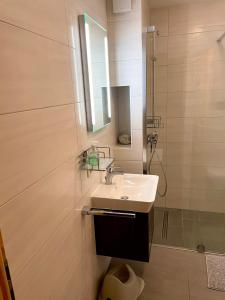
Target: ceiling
[(161, 3)]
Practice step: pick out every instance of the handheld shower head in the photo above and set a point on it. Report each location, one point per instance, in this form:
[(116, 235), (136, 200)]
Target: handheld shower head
[(152, 29)]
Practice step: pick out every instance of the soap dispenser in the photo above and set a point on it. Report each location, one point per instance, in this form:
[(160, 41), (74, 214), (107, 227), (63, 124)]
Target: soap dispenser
[(93, 157)]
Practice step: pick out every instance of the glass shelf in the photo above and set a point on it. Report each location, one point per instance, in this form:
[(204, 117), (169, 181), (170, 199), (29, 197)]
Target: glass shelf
[(103, 161), (103, 164)]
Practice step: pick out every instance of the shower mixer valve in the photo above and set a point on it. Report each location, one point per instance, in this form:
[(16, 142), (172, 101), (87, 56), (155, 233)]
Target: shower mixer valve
[(152, 139)]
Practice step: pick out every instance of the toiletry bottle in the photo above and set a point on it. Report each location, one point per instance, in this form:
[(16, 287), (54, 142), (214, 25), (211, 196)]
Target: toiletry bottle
[(93, 157)]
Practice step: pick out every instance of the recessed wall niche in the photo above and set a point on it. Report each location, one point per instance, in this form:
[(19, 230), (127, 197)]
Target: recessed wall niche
[(121, 97)]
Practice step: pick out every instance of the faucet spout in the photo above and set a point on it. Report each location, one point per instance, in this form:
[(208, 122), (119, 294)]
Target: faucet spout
[(110, 173)]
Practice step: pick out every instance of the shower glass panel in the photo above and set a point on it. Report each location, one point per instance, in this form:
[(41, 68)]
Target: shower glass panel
[(185, 121)]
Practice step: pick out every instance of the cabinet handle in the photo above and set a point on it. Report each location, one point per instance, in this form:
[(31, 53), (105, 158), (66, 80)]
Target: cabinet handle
[(86, 211)]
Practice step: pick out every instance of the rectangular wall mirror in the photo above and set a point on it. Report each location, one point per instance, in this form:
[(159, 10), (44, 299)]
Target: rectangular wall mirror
[(95, 62)]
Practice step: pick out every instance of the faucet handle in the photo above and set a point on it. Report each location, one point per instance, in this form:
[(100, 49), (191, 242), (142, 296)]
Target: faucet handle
[(116, 168), (109, 169)]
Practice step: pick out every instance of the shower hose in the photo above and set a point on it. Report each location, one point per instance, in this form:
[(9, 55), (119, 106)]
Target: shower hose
[(153, 153)]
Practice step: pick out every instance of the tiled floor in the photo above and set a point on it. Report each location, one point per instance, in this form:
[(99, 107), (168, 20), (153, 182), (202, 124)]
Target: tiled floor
[(175, 274), (187, 229)]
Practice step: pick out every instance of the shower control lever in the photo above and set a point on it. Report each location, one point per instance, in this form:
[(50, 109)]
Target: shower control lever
[(152, 139)]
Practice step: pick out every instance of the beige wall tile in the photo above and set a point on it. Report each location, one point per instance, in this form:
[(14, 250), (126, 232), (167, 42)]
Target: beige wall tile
[(133, 167), (161, 84), (105, 137), (156, 169), (73, 24), (38, 73), (95, 9), (205, 103), (61, 257), (196, 17), (160, 18), (196, 199), (35, 71), (33, 144), (196, 129), (194, 107), (196, 154), (160, 201), (161, 48), (145, 13), (196, 177), (47, 18), (160, 104), (196, 76), (160, 153), (43, 206), (95, 266), (198, 47)]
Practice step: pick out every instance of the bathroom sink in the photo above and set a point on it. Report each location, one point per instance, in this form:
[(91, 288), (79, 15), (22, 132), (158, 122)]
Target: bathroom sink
[(128, 192)]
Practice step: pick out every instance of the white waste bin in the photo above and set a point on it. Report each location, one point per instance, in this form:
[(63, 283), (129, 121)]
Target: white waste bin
[(121, 283)]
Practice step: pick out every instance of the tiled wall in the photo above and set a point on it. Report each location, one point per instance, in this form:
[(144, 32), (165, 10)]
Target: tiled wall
[(190, 95), (50, 248), (125, 37)]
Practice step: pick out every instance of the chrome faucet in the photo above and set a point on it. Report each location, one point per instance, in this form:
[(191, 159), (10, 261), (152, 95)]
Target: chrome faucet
[(110, 173)]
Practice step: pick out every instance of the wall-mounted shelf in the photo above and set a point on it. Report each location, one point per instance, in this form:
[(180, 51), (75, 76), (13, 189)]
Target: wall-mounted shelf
[(154, 122), (121, 99), (103, 164), (103, 161)]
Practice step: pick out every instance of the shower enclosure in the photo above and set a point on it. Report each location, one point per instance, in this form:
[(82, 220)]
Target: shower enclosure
[(184, 132)]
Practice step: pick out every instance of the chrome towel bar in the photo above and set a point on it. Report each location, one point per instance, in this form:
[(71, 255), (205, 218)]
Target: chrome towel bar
[(86, 211)]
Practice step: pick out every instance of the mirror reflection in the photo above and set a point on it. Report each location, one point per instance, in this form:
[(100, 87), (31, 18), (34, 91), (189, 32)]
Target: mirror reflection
[(95, 62)]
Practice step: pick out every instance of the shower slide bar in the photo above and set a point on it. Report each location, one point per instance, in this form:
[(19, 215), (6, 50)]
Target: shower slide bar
[(221, 38)]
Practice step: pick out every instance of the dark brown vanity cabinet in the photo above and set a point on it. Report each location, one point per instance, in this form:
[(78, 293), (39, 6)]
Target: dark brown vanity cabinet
[(125, 237)]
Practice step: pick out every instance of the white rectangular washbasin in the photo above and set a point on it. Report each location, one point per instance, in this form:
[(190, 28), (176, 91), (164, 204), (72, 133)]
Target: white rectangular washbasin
[(128, 192)]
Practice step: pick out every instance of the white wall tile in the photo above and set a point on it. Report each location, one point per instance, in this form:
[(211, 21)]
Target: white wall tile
[(128, 73), (123, 35)]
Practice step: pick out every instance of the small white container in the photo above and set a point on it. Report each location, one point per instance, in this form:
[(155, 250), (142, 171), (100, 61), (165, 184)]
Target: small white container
[(121, 283)]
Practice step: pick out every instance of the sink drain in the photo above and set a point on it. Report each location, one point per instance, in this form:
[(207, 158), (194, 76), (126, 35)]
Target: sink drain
[(124, 198)]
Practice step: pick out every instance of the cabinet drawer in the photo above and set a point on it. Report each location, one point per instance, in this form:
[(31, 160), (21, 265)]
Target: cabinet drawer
[(124, 237)]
